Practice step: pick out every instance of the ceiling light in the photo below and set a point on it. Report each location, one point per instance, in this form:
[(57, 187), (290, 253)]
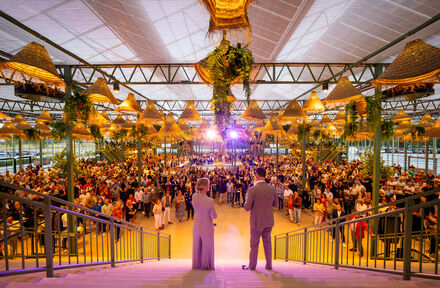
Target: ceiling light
[(325, 87), (116, 88)]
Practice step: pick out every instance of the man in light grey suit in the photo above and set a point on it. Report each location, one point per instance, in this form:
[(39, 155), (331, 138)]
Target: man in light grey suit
[(260, 200)]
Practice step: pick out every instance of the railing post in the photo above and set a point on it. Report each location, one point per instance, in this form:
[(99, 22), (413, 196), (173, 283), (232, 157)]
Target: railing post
[(337, 244), (169, 243), (287, 247), (112, 242), (142, 244), (305, 246), (158, 246), (275, 247), (48, 243), (407, 240)]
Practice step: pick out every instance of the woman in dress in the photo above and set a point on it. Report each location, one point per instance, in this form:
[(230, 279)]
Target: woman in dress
[(180, 206), (203, 229)]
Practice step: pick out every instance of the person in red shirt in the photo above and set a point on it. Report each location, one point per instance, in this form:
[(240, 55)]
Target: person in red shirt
[(360, 228)]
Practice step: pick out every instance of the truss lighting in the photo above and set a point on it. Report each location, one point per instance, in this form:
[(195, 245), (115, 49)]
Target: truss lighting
[(325, 87), (116, 88)]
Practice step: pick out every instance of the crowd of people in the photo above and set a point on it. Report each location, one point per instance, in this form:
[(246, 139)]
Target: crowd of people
[(331, 189)]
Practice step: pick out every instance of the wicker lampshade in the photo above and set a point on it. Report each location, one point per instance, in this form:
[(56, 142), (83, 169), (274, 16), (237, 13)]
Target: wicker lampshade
[(96, 118), (193, 133), (227, 14), (253, 112), (361, 107), (34, 63), (425, 124), (273, 126), (427, 117), (313, 104), (314, 124), (43, 128), (340, 118), (364, 133), (128, 124), (170, 127), (80, 131), (324, 120), (18, 118), (119, 120), (417, 63), (100, 93), (105, 115), (150, 114), (4, 117), (258, 126), (293, 130), (401, 116), (343, 93), (129, 105), (293, 112), (23, 125), (183, 126), (434, 131), (402, 126), (230, 97), (9, 129), (190, 113), (204, 126), (44, 117)]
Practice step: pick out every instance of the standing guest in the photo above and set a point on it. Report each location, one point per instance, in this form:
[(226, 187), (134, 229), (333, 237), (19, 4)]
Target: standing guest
[(290, 207), (107, 208), (260, 200), (180, 206), (338, 213), (280, 193), (287, 193), (360, 228), (329, 208), (130, 212), (118, 214), (138, 197), (318, 209), (157, 212), (146, 200), (203, 229), (348, 202), (166, 204), (297, 204), (230, 191), (188, 201), (222, 190)]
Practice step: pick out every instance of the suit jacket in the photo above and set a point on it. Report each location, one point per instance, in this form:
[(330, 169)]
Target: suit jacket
[(335, 214), (260, 200)]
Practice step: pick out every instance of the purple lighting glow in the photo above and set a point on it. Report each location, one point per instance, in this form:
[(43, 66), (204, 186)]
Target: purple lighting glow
[(233, 134)]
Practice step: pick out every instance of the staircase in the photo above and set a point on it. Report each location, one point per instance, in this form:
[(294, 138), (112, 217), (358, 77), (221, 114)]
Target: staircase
[(228, 273)]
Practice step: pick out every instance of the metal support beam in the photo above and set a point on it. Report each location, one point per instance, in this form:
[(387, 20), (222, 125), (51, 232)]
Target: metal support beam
[(377, 147)]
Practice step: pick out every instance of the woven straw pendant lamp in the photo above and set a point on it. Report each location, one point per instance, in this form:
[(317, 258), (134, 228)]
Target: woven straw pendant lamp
[(313, 104), (343, 93), (80, 131), (272, 126), (418, 62), (105, 115), (43, 128), (401, 116), (253, 112), (9, 129), (4, 117), (18, 118), (190, 113), (150, 114), (325, 120), (96, 118), (293, 112), (170, 127), (44, 117), (34, 63), (183, 126), (119, 120), (129, 105), (340, 118), (100, 93)]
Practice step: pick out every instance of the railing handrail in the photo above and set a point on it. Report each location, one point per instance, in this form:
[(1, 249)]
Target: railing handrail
[(64, 202), (401, 201)]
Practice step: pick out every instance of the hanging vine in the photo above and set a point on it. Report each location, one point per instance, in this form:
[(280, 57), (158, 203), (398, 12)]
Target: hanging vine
[(226, 64), (78, 107), (32, 134), (58, 131)]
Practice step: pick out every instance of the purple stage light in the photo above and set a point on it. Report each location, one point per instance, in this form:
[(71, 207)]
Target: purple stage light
[(233, 134)]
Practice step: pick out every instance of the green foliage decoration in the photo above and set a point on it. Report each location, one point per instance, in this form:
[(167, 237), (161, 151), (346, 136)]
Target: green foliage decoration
[(60, 164), (32, 134), (368, 159), (415, 132), (58, 131), (225, 64), (78, 107)]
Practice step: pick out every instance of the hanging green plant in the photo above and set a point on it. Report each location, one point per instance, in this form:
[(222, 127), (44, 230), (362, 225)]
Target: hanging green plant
[(32, 134), (415, 132), (78, 107), (96, 133), (60, 165), (387, 129), (352, 121), (368, 164), (58, 131), (304, 130), (225, 64)]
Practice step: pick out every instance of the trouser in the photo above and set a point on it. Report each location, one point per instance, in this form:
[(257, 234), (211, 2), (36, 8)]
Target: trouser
[(147, 207), (348, 209), (157, 220), (166, 213), (291, 214), (189, 210), (236, 197), (255, 241), (318, 219), (140, 205), (297, 212), (243, 195), (341, 230), (354, 239), (222, 198), (118, 233), (280, 203), (229, 196)]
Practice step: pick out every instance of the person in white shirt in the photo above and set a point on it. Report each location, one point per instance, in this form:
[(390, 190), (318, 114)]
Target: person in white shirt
[(328, 194), (287, 193), (138, 197), (361, 206), (409, 188), (157, 212), (316, 193)]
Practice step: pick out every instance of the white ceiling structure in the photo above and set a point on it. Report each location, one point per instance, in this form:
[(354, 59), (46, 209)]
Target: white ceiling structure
[(175, 31)]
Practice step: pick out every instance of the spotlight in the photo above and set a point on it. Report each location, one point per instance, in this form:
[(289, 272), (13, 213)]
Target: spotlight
[(116, 88), (211, 134), (233, 134), (324, 87)]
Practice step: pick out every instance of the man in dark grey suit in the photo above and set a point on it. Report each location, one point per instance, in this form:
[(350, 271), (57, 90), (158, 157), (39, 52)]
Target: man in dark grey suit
[(260, 200)]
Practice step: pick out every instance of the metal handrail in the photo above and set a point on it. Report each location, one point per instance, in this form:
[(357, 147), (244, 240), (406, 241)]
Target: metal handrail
[(401, 201), (313, 245), (64, 202), (123, 243)]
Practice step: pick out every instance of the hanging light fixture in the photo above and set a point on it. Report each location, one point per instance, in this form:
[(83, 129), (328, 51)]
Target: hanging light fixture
[(325, 87), (116, 88)]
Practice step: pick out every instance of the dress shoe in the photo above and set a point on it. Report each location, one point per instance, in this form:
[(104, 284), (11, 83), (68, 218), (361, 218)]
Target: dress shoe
[(170, 222), (268, 268)]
